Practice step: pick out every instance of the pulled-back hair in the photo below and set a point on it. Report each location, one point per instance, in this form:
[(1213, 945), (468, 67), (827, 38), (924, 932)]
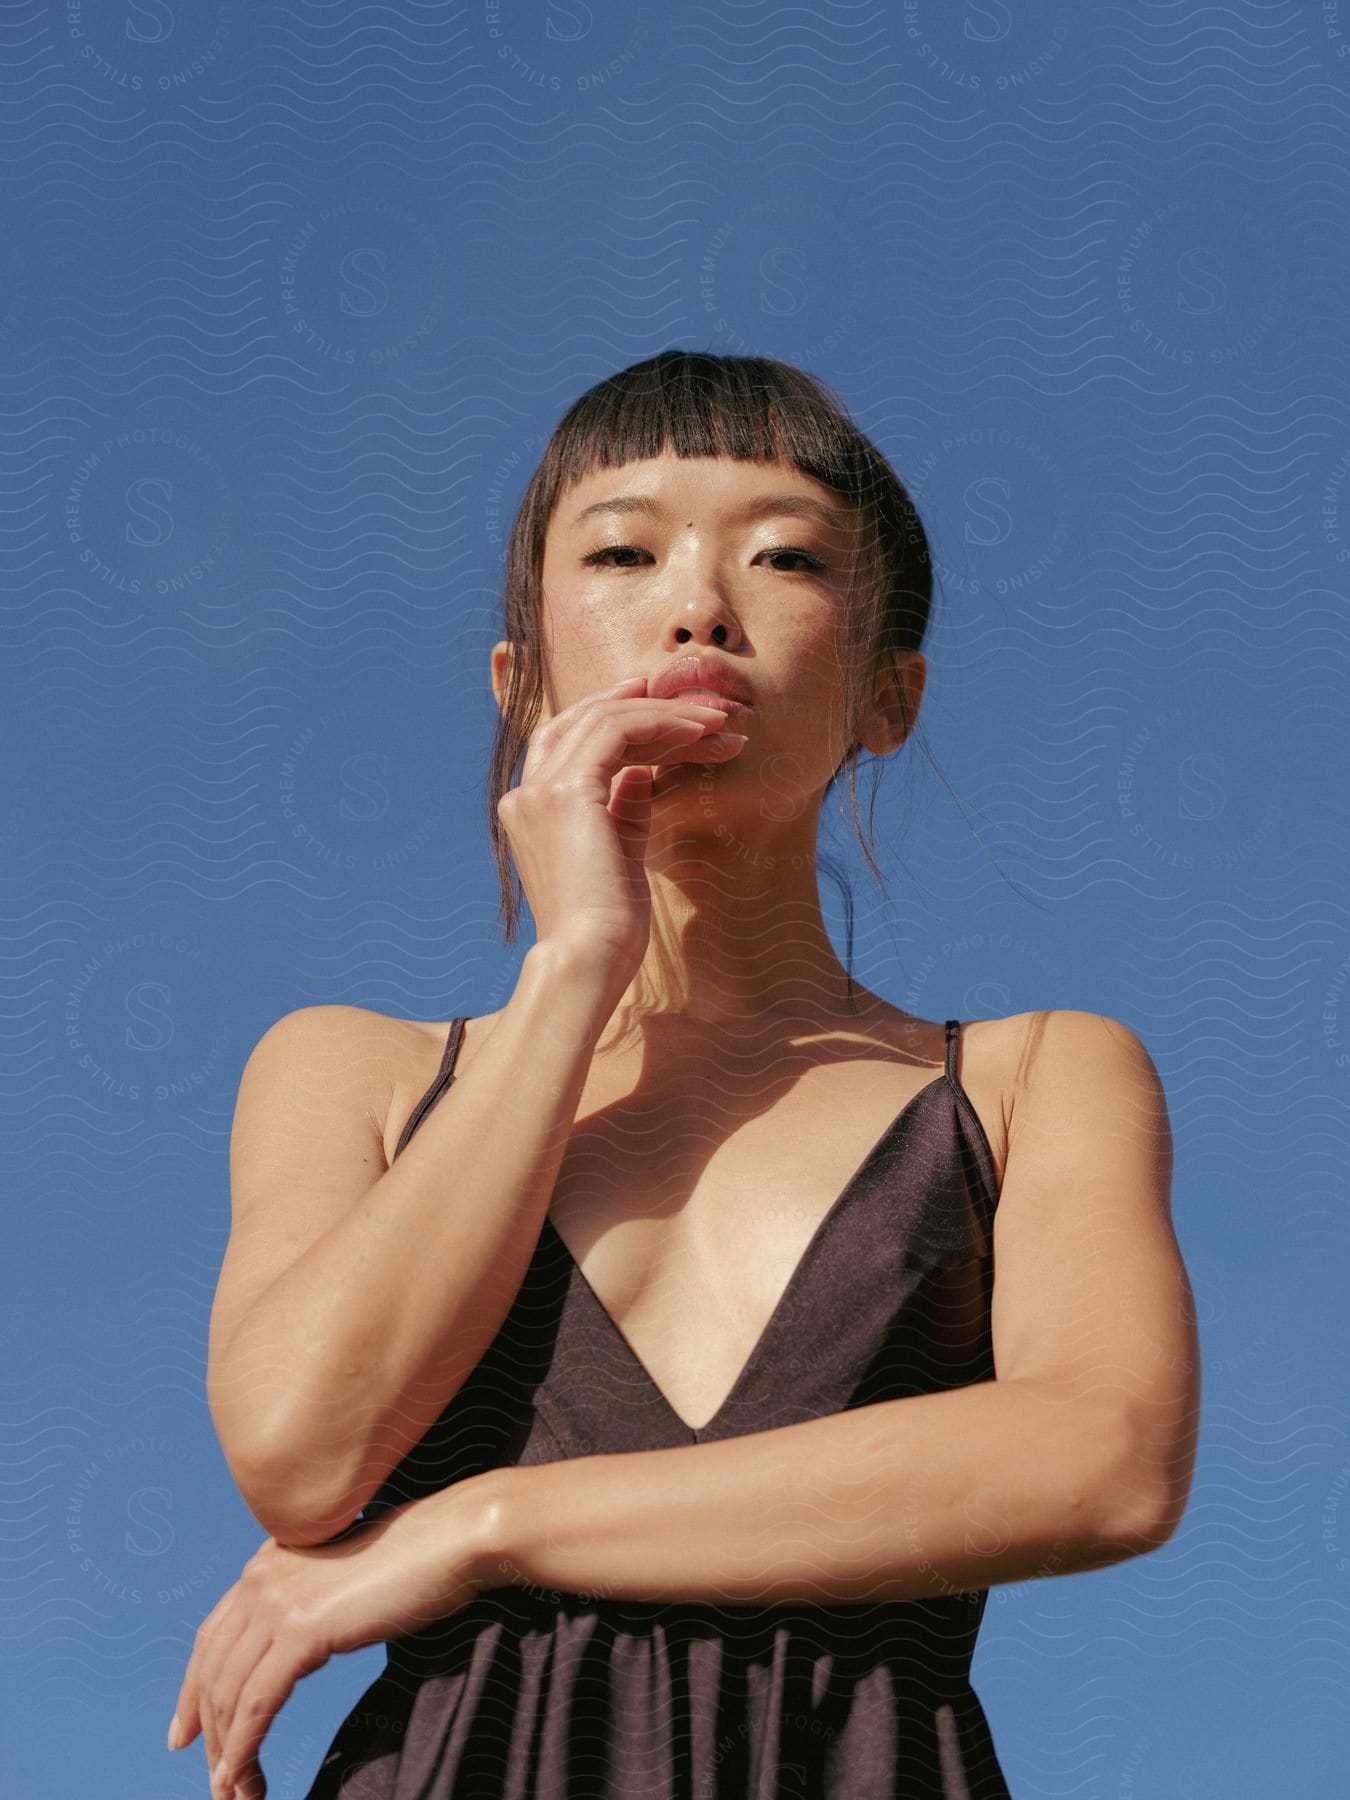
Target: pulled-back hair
[(752, 408)]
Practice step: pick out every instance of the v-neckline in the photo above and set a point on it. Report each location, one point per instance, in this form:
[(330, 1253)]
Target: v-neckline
[(800, 1270)]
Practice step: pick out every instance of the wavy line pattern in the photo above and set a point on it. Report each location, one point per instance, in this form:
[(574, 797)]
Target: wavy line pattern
[(290, 300)]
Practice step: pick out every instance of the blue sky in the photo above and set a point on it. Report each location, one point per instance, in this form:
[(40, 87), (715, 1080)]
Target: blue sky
[(290, 305)]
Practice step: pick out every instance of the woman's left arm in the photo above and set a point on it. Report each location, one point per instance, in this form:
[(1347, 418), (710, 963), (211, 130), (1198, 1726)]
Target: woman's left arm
[(1079, 1454)]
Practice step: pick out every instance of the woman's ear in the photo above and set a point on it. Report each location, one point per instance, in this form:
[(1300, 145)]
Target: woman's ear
[(895, 707), (504, 657), (502, 654)]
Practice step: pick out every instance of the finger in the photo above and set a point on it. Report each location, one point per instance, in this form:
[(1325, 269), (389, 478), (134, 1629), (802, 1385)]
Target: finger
[(186, 1721), (628, 689), (624, 689), (712, 747), (602, 745), (219, 1631), (625, 789), (231, 1678), (187, 1707), (251, 1785), (639, 715), (636, 717), (261, 1698), (615, 740), (630, 806)]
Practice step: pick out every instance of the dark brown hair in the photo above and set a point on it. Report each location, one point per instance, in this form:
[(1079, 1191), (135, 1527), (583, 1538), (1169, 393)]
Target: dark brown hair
[(752, 408)]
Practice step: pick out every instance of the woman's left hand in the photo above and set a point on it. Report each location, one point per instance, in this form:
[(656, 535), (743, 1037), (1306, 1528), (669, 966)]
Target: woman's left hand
[(293, 1608)]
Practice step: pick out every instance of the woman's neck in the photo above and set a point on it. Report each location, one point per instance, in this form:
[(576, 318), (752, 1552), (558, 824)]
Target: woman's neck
[(748, 961)]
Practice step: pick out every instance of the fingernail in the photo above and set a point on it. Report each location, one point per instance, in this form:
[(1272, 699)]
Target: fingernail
[(175, 1732), (219, 1776)]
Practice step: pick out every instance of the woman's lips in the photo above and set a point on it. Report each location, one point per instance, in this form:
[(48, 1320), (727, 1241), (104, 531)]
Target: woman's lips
[(734, 709)]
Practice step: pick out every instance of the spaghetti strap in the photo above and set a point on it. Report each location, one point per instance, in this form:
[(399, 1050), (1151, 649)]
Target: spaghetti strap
[(953, 1037), (451, 1051), (445, 1074)]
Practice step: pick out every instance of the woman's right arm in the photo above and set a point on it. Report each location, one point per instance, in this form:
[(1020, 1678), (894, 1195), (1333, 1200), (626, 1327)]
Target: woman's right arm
[(320, 1383), (392, 1285)]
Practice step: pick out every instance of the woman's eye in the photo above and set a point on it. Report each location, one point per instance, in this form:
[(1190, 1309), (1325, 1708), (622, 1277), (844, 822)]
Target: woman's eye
[(597, 557), (814, 564)]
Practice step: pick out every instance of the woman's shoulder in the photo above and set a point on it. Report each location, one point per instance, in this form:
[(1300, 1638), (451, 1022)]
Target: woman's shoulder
[(1037, 1050), (1019, 1035), (1023, 1039), (999, 1058), (334, 1024), (378, 1054)]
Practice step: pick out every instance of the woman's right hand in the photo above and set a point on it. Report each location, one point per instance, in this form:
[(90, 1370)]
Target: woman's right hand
[(578, 819)]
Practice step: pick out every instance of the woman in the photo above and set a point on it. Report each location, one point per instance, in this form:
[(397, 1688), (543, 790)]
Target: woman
[(652, 1398)]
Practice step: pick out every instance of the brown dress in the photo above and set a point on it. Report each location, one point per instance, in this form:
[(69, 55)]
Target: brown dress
[(535, 1694)]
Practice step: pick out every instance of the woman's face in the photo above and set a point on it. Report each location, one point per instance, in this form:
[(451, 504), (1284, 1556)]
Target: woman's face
[(747, 563)]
